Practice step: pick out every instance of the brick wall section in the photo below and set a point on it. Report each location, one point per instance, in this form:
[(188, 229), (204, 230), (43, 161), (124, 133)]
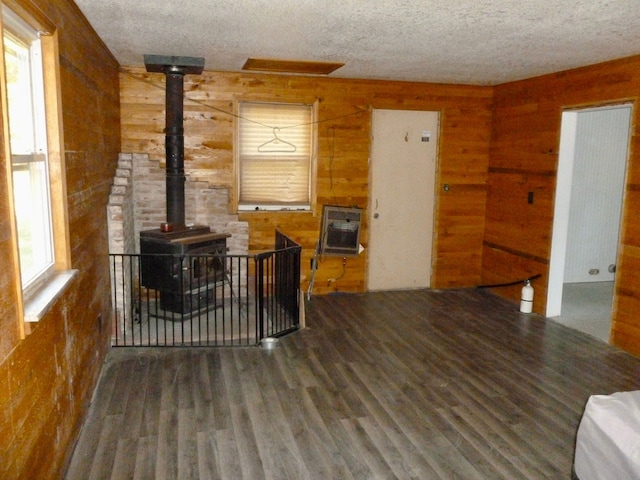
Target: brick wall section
[(137, 202), (120, 215), (120, 225)]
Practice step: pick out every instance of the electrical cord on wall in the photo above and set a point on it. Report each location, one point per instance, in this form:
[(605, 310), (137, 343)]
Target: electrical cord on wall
[(344, 268), (509, 284), (344, 271)]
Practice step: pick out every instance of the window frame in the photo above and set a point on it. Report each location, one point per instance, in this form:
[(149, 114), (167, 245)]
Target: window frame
[(29, 149), (36, 299), (275, 206)]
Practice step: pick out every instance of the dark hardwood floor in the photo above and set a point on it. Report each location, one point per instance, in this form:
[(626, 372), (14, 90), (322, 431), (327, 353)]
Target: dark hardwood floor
[(429, 384)]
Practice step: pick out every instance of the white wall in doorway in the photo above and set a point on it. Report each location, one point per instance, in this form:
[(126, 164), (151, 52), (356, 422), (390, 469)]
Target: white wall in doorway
[(599, 169), (591, 166)]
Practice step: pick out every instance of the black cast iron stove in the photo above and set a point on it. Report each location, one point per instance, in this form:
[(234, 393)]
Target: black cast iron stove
[(174, 256)]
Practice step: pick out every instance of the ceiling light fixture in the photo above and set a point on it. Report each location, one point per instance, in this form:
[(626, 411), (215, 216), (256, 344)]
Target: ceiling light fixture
[(291, 66)]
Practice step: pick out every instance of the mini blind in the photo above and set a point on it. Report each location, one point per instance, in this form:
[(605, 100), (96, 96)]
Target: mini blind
[(274, 155)]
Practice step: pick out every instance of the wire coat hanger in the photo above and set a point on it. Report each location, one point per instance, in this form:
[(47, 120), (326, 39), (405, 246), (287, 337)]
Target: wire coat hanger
[(281, 146)]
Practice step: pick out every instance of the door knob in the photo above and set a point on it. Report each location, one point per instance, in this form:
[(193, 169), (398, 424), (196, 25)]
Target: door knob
[(376, 215)]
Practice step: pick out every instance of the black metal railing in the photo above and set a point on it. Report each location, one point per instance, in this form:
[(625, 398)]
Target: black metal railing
[(237, 301)]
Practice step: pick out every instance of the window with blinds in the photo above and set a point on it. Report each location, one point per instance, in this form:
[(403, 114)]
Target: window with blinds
[(275, 156)]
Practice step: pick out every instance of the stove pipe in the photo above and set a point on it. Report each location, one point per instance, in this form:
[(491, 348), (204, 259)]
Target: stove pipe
[(174, 68)]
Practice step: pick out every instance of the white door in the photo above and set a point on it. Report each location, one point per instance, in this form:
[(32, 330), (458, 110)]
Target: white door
[(403, 166)]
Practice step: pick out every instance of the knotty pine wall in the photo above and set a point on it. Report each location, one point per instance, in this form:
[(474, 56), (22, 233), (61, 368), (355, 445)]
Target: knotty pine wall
[(344, 131), (47, 378), (524, 157)]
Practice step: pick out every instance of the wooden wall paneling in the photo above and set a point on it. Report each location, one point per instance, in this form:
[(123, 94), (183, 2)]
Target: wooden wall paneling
[(630, 227), (500, 265), (460, 225), (41, 393), (344, 137), (525, 141), (10, 331), (51, 374), (510, 214), (625, 331)]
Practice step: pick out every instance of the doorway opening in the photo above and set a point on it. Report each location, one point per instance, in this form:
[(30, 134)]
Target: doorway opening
[(594, 150)]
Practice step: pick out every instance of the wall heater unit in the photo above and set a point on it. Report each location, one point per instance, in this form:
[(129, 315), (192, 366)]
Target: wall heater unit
[(340, 234)]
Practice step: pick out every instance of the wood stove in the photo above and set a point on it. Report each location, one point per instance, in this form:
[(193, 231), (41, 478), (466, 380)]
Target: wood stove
[(183, 267), (176, 258)]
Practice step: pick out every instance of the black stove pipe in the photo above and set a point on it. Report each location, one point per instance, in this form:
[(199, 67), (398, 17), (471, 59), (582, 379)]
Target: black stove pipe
[(174, 68), (174, 150)]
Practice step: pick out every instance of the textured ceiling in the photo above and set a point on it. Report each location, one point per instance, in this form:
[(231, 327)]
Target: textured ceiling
[(481, 42)]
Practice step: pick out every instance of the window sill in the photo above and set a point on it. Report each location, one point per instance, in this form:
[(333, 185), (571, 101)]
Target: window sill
[(37, 305), (272, 209)]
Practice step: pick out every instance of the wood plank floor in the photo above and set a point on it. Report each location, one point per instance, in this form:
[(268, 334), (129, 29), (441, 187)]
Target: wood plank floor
[(453, 384)]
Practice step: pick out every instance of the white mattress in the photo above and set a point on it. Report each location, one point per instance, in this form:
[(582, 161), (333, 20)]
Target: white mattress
[(608, 441)]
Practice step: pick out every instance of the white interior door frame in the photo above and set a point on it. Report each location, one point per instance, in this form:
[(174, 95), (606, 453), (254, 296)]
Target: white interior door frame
[(564, 179), (562, 209)]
